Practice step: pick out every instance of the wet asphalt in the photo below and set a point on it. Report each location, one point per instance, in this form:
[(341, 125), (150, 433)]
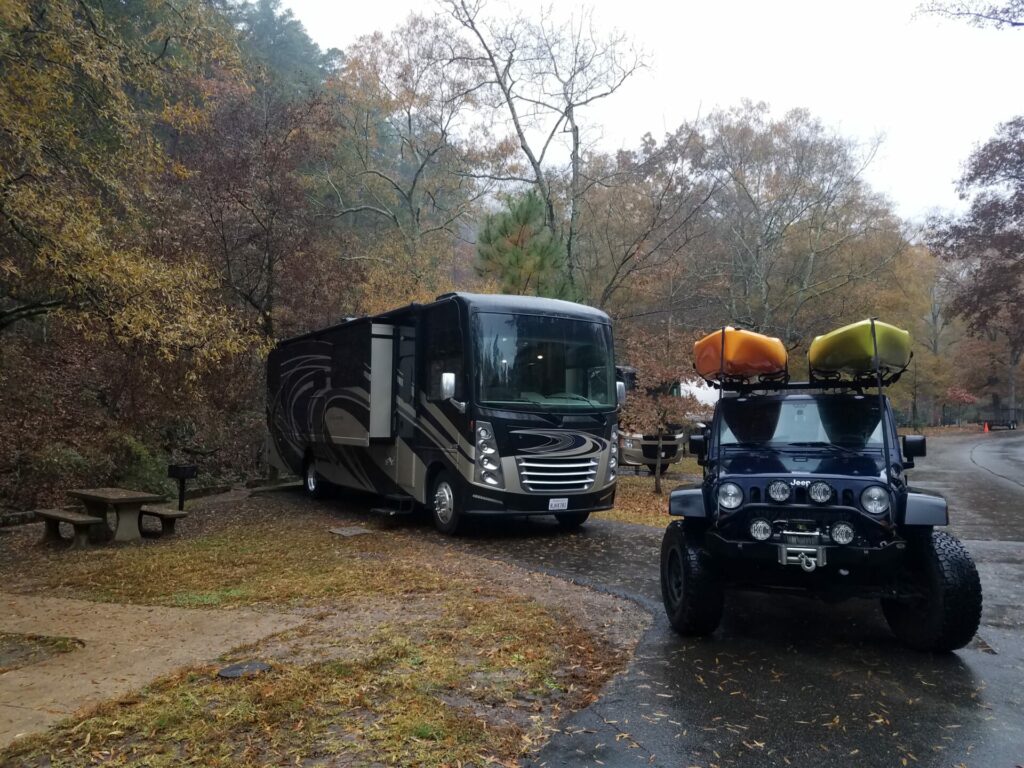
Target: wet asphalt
[(792, 681)]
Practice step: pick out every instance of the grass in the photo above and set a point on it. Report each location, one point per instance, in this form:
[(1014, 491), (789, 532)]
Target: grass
[(448, 671), (636, 501), (268, 560)]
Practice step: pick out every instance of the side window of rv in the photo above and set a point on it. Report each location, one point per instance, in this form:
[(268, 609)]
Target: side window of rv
[(442, 350), (350, 357)]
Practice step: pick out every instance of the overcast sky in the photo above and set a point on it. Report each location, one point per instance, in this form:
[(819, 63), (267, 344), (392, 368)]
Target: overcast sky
[(932, 88)]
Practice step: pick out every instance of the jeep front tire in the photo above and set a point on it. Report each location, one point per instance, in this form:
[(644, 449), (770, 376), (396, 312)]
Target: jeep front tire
[(690, 589), (944, 610)]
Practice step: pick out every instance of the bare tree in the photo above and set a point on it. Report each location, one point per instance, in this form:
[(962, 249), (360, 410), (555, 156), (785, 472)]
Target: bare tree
[(980, 14), (640, 211), (791, 223), (411, 145), (542, 74)]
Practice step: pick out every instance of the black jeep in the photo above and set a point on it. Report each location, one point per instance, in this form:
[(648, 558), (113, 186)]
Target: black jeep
[(797, 496)]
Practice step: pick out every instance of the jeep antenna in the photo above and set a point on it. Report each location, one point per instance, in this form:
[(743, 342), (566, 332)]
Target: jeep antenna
[(881, 405)]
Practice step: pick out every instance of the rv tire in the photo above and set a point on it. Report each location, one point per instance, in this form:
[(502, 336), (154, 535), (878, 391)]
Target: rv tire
[(444, 505)]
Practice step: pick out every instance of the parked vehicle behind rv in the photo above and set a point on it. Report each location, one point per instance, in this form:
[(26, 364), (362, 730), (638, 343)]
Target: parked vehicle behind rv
[(471, 405)]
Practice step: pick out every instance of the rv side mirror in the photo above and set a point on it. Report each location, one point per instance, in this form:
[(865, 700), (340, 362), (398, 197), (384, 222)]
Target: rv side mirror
[(914, 446), (620, 392), (698, 447), (447, 385)]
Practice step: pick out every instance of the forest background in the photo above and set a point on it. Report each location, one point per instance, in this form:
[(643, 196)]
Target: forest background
[(184, 183)]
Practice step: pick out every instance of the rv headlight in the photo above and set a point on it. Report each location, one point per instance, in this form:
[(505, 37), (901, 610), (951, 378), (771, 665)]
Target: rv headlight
[(730, 495), (488, 462), (779, 491), (627, 443), (612, 463), (820, 492), (485, 448), (484, 433), (875, 499), (490, 478)]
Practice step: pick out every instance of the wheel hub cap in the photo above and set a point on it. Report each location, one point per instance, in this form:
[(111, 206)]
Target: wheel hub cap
[(444, 503)]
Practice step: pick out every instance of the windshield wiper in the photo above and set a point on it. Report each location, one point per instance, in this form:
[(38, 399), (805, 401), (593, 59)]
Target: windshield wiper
[(832, 446), (573, 395)]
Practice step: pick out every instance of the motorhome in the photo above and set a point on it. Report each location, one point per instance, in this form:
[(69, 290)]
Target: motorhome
[(473, 404)]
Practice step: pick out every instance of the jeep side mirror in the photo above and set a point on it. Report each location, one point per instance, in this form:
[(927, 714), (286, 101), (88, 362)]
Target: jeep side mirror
[(620, 392), (698, 447), (914, 446)]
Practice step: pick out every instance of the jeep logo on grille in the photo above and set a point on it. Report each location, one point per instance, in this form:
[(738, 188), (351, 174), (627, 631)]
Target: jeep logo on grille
[(800, 483)]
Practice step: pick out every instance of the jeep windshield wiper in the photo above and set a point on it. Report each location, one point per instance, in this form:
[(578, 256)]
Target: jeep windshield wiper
[(832, 446)]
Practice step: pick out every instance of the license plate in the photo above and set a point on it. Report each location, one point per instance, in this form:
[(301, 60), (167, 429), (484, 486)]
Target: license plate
[(554, 504)]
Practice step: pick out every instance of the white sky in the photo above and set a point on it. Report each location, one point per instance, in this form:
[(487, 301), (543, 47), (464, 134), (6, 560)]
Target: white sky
[(933, 88)]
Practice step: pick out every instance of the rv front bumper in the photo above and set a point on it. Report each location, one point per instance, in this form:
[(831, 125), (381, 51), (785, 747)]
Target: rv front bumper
[(481, 502)]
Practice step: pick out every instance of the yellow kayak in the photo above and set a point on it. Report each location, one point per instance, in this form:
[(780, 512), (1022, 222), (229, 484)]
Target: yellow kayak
[(849, 349), (747, 354)]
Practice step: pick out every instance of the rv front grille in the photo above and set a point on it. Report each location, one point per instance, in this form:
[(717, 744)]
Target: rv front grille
[(539, 475)]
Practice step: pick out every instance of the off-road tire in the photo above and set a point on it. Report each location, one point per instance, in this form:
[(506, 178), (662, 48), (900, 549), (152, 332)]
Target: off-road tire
[(313, 482), (949, 614), (444, 504), (570, 521), (690, 589)]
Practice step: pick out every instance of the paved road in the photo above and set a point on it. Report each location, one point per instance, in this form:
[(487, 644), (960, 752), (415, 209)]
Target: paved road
[(787, 681)]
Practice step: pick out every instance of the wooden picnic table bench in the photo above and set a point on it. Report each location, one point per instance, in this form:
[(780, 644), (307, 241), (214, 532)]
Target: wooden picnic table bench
[(86, 526), (125, 503)]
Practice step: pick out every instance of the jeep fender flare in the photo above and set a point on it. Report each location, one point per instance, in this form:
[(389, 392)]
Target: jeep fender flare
[(925, 509)]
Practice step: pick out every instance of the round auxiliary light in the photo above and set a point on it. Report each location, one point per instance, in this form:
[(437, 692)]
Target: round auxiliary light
[(820, 492), (483, 433), (875, 499), (779, 491), (489, 478), (488, 463), (760, 529), (842, 533), (730, 496)]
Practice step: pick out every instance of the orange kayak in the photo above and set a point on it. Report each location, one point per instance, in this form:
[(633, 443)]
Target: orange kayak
[(747, 354)]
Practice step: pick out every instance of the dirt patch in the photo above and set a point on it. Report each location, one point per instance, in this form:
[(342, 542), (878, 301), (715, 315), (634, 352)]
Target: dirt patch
[(17, 650)]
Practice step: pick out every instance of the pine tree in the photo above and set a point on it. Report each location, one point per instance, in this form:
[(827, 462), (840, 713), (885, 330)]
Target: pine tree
[(516, 248)]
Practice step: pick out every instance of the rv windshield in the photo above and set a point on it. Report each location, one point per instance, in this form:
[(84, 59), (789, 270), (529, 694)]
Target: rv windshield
[(525, 361)]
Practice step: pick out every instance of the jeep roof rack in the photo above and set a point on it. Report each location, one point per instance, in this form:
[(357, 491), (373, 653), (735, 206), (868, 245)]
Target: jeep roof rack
[(859, 383)]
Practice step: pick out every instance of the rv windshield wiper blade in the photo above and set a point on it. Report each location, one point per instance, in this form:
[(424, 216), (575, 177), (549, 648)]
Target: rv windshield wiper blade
[(572, 396)]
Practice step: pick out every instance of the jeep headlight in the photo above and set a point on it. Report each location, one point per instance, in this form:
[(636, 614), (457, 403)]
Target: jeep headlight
[(730, 495), (875, 499)]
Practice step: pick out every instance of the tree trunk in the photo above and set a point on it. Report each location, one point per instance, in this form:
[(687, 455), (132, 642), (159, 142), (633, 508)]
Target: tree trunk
[(657, 466)]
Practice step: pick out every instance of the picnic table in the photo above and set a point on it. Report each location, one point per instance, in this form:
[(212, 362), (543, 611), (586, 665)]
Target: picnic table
[(126, 504)]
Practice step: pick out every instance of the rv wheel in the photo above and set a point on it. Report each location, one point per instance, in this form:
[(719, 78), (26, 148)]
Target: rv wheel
[(444, 505), (314, 483)]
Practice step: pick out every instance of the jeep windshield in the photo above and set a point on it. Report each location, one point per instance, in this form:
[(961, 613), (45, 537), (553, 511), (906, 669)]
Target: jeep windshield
[(526, 361), (843, 424)]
